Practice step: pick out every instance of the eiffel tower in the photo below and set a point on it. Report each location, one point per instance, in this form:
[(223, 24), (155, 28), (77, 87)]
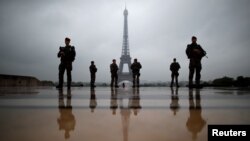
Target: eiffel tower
[(125, 58)]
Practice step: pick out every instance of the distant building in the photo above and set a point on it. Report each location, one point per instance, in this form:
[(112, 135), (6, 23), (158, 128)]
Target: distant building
[(46, 83), (18, 81)]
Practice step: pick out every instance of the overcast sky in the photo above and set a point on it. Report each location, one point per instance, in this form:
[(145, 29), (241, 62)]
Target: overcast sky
[(159, 30)]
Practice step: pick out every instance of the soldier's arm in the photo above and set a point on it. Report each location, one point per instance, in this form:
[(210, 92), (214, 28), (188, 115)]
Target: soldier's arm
[(59, 54), (73, 53), (90, 68), (203, 51), (132, 66), (140, 65), (188, 51), (95, 69), (110, 67), (117, 68)]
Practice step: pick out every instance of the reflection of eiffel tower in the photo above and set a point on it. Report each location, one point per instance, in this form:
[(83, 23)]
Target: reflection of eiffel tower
[(125, 59), (125, 115), (133, 105)]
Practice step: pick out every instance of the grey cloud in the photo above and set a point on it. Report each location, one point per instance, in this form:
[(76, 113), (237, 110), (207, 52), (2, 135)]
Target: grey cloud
[(32, 31)]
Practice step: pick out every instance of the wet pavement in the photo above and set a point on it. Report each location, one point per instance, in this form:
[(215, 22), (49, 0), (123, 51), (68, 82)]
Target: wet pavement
[(123, 114)]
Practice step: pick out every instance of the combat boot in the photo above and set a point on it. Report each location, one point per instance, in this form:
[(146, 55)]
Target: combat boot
[(59, 87)]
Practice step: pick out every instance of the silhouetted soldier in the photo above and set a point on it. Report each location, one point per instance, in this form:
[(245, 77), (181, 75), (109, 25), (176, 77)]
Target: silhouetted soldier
[(92, 102), (174, 67), (195, 53), (67, 55), (135, 67), (114, 75), (195, 122), (93, 70), (66, 121)]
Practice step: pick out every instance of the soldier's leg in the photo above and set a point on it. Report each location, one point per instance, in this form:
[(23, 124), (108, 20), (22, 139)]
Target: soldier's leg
[(116, 80), (133, 80), (198, 75), (112, 80), (176, 80), (191, 75), (61, 73), (92, 79), (172, 79), (69, 79), (138, 79), (94, 76)]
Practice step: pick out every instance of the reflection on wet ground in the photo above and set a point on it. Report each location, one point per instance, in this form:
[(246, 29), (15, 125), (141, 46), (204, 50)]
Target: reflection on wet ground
[(123, 114), (66, 121)]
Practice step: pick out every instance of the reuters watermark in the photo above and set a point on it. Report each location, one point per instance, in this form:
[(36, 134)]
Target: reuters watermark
[(235, 132)]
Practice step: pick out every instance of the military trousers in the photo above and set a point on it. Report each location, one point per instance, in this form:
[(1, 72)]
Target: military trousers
[(136, 79), (62, 67), (195, 67), (92, 79), (174, 75), (114, 79)]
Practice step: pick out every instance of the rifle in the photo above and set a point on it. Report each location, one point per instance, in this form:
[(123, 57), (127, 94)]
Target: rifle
[(205, 54)]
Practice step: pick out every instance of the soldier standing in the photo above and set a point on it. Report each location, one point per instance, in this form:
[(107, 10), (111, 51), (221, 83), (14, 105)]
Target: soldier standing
[(67, 55), (93, 70), (174, 67), (136, 66), (194, 53), (114, 75)]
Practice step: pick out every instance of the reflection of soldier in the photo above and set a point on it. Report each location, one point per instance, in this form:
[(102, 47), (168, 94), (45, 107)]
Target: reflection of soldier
[(174, 105), (114, 75), (195, 122), (92, 102), (134, 101), (93, 70), (113, 101), (195, 53), (67, 55), (174, 67), (135, 67), (66, 121)]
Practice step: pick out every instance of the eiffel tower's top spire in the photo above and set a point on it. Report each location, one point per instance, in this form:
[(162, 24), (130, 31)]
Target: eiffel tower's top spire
[(125, 10), (125, 45)]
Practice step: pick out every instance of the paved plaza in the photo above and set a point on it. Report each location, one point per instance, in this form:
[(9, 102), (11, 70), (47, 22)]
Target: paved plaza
[(123, 114)]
